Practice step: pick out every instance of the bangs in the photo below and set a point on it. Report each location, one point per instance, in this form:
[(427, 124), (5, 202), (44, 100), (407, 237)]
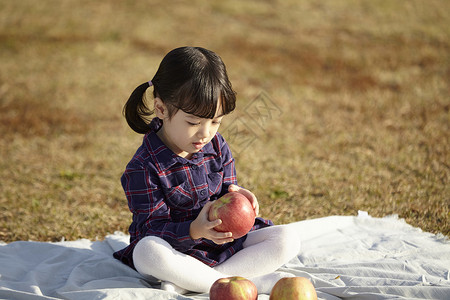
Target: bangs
[(202, 97), (194, 80)]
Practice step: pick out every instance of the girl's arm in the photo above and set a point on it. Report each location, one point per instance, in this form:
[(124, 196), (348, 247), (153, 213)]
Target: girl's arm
[(230, 180), (229, 169), (151, 215)]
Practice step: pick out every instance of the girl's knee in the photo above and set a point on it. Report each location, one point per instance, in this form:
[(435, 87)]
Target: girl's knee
[(150, 252), (290, 241), (151, 244)]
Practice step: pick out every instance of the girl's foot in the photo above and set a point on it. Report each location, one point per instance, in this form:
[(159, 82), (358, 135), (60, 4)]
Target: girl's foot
[(265, 283), (170, 287)]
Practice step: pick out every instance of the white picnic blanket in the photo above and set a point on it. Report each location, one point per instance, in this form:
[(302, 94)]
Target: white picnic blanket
[(344, 256)]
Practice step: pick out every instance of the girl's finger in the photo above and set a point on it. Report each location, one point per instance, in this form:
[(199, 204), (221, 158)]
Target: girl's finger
[(218, 235), (233, 188), (214, 223), (223, 241), (224, 235)]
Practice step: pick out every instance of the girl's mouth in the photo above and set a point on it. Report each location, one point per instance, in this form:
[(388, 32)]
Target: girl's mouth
[(198, 146)]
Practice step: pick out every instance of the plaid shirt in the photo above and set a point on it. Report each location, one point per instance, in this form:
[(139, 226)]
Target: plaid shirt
[(166, 192)]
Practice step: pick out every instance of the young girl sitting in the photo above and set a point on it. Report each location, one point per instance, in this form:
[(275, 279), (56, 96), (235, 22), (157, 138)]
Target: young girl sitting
[(182, 166)]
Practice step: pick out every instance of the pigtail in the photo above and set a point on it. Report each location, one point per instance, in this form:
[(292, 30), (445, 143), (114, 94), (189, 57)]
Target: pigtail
[(136, 111)]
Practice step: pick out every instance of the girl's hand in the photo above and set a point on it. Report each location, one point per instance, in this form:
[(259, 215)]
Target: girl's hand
[(201, 227), (250, 196)]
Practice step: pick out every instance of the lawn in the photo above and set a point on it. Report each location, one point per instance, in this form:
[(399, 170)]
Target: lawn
[(342, 106)]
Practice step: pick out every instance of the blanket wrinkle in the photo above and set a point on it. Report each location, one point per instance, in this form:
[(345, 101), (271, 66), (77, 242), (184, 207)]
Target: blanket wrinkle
[(344, 256)]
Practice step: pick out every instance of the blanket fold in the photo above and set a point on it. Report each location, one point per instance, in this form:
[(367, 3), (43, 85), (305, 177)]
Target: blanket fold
[(344, 256)]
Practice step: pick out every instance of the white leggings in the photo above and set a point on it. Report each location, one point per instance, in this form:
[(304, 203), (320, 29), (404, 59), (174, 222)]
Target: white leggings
[(265, 250)]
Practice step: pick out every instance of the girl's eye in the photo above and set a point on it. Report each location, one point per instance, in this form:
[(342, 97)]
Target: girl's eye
[(193, 124), (217, 122)]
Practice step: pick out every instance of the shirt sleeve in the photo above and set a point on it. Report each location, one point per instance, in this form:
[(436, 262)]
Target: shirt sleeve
[(151, 215), (229, 169)]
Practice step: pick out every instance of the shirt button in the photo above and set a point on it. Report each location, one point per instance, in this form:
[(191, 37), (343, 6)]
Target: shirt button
[(203, 193), (194, 167)]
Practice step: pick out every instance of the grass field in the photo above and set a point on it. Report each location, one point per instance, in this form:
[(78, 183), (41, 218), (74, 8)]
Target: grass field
[(342, 106)]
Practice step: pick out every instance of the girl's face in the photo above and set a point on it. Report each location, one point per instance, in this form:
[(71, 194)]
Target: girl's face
[(186, 134)]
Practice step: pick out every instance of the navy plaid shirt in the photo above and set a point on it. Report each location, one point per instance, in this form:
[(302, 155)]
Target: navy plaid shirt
[(166, 192)]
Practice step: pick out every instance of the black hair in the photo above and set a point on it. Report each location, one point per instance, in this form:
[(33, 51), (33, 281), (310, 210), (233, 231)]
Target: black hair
[(192, 79)]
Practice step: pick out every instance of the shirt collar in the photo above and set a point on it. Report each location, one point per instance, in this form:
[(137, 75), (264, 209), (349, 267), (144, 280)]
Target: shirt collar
[(166, 158)]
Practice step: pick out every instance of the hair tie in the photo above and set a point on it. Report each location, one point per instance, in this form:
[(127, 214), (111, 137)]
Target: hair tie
[(150, 83)]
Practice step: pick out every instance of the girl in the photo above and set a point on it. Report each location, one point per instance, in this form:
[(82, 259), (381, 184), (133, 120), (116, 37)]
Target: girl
[(182, 165)]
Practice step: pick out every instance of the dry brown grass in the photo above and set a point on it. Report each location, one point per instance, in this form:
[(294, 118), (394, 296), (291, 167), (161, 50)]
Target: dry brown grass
[(360, 92)]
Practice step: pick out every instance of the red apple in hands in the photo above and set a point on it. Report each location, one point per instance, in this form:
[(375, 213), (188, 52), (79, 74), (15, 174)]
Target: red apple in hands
[(235, 211), (233, 288), (293, 288)]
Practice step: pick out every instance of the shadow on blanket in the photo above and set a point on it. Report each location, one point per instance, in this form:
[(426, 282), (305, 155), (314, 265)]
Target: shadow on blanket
[(358, 257)]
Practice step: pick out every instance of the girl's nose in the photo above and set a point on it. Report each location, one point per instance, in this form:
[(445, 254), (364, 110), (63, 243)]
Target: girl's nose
[(203, 132)]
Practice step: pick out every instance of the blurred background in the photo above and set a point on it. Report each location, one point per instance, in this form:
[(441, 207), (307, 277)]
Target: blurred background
[(342, 106)]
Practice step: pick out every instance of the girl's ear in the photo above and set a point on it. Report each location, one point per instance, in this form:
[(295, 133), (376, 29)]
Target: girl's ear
[(161, 109)]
